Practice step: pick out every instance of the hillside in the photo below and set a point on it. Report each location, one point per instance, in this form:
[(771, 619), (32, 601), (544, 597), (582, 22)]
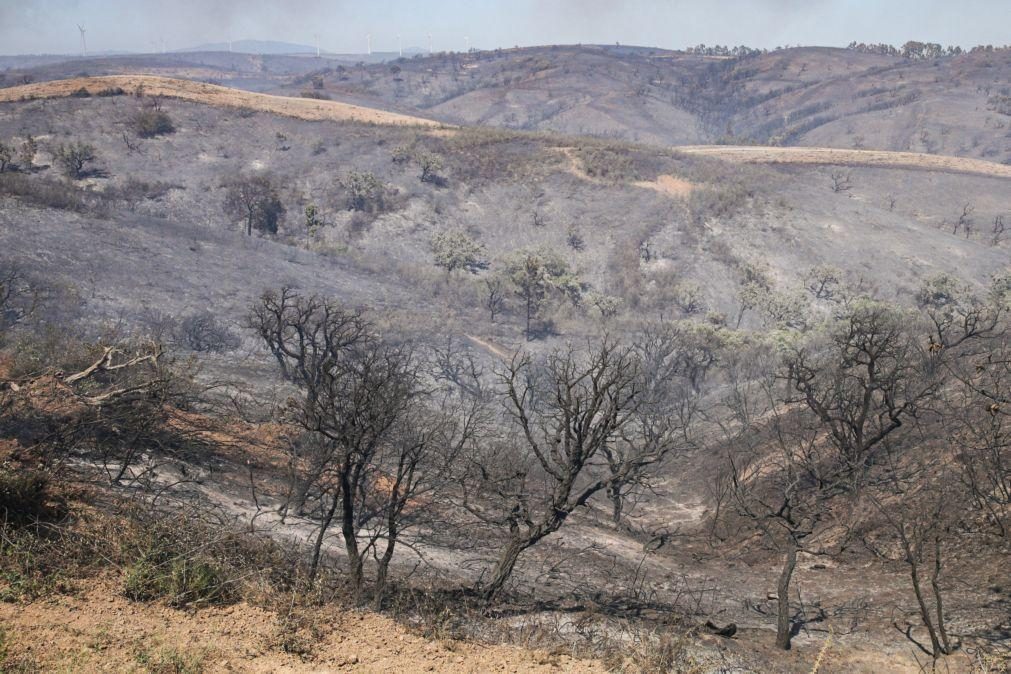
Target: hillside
[(800, 96), (209, 94), (356, 204), (254, 72), (721, 218)]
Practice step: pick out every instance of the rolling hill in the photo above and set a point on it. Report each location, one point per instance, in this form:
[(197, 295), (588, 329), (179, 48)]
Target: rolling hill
[(567, 152)]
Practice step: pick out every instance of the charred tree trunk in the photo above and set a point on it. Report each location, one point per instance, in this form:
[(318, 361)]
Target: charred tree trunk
[(350, 533), (504, 567), (324, 525), (530, 311), (939, 605), (914, 572), (382, 573), (783, 627), (617, 503), (392, 531)]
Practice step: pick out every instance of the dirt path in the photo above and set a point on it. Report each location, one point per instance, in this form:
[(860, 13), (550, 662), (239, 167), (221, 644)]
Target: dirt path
[(212, 94), (493, 349), (840, 157), (669, 185)]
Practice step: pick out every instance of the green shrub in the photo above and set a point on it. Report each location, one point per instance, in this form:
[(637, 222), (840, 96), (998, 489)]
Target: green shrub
[(74, 157), (24, 495), (6, 156), (152, 122), (607, 164), (366, 193), (58, 194), (180, 579), (455, 250)]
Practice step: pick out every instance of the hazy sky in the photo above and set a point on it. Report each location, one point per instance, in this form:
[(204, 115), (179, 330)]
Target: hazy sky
[(49, 26)]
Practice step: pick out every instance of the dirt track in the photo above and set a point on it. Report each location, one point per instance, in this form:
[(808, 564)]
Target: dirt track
[(212, 94), (759, 154)]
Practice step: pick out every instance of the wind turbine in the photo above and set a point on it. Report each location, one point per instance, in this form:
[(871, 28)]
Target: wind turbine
[(84, 43), (400, 46), (317, 45), (429, 44), (368, 42)]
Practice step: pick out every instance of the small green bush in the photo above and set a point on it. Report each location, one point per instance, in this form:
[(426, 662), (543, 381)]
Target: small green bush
[(58, 194), (74, 157), (184, 581), (152, 122), (24, 495)]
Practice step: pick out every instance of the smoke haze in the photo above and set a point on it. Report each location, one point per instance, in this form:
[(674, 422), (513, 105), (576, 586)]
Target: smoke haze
[(49, 26)]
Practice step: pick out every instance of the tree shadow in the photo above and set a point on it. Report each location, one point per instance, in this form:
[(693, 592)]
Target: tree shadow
[(799, 620), (908, 632)]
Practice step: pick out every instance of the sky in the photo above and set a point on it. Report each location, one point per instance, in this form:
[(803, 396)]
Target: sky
[(50, 26)]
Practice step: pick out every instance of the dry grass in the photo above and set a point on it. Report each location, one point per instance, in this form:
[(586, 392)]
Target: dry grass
[(212, 94), (840, 157)]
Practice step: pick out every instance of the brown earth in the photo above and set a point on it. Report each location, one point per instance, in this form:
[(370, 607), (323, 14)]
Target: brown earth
[(99, 630), (758, 154), (212, 94)]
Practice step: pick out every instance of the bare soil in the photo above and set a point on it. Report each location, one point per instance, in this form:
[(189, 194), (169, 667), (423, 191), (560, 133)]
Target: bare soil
[(99, 630), (750, 154)]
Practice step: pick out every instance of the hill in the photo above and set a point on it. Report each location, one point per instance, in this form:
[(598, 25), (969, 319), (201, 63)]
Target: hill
[(804, 96), (718, 219), (799, 96), (253, 47), (358, 204), (303, 108)]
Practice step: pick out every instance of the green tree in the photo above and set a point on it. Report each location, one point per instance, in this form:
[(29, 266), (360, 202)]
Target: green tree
[(453, 250), (151, 122), (26, 155), (537, 274), (313, 220), (255, 199), (364, 190), (6, 155), (431, 164), (74, 157)]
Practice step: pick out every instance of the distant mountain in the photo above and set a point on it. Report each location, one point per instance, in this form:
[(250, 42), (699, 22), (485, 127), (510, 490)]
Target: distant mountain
[(813, 96), (254, 47)]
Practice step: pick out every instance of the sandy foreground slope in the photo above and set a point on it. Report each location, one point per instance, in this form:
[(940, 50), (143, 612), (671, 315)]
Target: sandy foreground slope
[(99, 630)]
